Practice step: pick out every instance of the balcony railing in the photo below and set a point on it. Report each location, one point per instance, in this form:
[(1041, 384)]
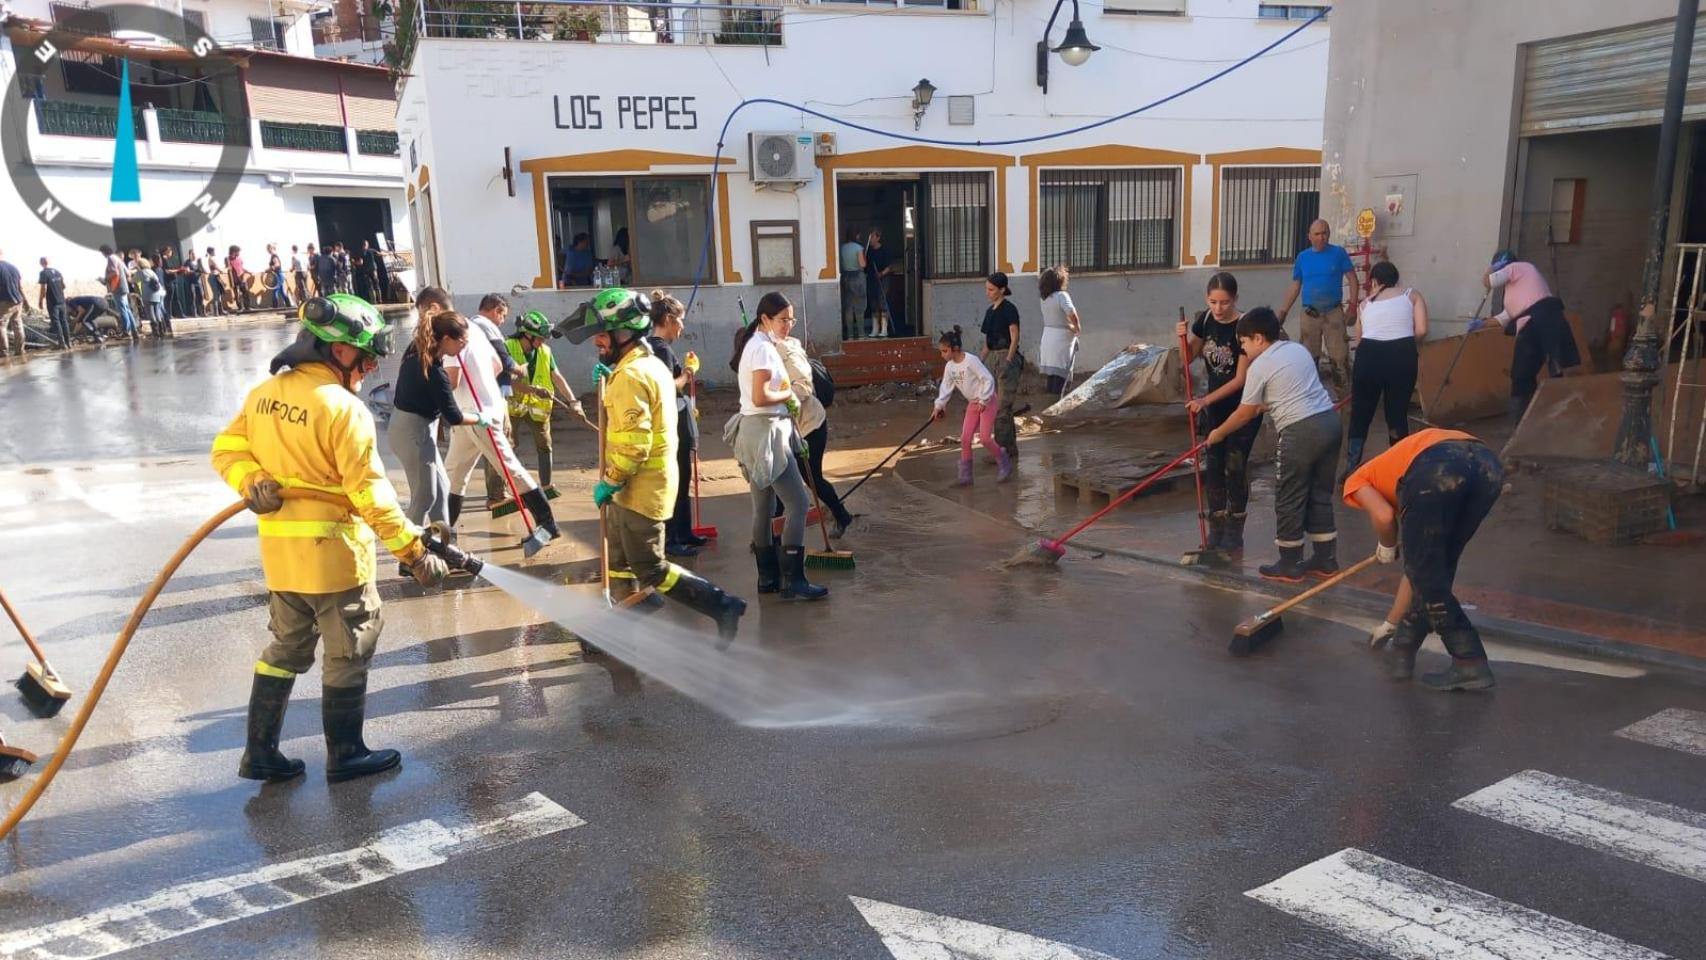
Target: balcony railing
[(67, 118), (376, 143), (195, 126), (302, 136), (709, 23)]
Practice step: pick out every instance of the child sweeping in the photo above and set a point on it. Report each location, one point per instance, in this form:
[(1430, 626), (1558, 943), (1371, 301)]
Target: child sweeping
[(972, 379), (1226, 473)]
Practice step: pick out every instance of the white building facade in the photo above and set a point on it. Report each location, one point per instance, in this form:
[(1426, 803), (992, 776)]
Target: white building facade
[(609, 119), (317, 138)]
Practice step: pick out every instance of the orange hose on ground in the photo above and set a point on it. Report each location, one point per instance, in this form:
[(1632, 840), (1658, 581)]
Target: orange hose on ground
[(63, 750)]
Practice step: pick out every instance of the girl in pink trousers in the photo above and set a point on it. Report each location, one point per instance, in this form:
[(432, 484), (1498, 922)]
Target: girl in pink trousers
[(967, 374)]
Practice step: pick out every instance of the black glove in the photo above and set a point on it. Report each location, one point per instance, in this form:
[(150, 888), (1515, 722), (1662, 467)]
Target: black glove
[(263, 495)]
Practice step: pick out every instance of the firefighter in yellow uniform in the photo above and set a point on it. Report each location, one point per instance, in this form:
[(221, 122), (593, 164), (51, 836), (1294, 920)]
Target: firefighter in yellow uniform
[(636, 491), (531, 401), (306, 428)]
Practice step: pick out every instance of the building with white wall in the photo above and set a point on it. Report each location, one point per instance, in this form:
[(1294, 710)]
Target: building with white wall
[(609, 117), (315, 139)]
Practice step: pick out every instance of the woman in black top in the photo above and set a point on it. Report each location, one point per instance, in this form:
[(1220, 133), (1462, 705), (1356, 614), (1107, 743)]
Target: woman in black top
[(423, 396), (1226, 465), (1001, 355)]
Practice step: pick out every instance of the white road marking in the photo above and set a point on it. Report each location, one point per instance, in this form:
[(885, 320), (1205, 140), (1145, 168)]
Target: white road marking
[(1644, 831), (202, 904), (1677, 729), (915, 935), (1403, 912)]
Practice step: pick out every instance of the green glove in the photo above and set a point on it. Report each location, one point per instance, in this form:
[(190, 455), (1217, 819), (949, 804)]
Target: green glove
[(602, 493), (599, 372)]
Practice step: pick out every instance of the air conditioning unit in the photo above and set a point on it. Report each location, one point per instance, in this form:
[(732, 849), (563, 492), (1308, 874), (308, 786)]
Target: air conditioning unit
[(783, 157)]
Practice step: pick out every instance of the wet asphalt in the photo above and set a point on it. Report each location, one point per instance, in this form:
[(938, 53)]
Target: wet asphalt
[(1100, 772)]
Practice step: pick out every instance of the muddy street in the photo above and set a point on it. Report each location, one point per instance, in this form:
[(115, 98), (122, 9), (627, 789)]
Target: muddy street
[(946, 757)]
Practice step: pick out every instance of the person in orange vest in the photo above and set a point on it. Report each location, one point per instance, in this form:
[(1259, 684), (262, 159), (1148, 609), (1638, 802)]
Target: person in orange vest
[(307, 428), (1430, 491)]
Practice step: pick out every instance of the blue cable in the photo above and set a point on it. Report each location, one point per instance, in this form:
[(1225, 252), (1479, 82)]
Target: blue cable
[(722, 135)]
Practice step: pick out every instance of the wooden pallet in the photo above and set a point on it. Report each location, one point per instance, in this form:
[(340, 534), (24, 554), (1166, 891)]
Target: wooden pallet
[(1097, 485), (893, 360)]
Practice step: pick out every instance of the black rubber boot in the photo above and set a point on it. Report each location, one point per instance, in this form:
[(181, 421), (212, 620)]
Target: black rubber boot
[(1468, 670), (1232, 535), (795, 586), (268, 698), (705, 597), (1398, 653), (1217, 530), (343, 710), (1353, 458), (1324, 561), (455, 508), (536, 504), (769, 563), (1287, 569)]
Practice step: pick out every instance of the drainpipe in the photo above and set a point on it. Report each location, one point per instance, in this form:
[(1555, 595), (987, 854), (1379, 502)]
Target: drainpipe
[(1644, 360)]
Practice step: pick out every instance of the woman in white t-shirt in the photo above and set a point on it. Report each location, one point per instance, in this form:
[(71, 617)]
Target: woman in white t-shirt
[(766, 441), (1391, 325), (1060, 329), (967, 374)]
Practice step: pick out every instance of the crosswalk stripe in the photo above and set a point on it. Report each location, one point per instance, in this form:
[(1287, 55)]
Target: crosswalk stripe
[(1675, 728), (1403, 912), (201, 904), (1643, 831)]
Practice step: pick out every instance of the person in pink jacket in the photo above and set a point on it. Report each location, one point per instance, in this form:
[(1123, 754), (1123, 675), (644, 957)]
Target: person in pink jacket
[(967, 374)]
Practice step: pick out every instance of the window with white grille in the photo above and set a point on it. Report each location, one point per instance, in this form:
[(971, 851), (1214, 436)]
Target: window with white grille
[(1109, 219)]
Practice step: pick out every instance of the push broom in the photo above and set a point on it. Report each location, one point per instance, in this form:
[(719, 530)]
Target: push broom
[(816, 513), (14, 761), (700, 527), (1266, 625), (43, 691), (536, 537), (828, 558), (1047, 553), (1202, 555)]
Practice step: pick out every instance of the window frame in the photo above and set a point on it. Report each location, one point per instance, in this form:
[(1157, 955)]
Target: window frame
[(629, 181), (756, 228), (1276, 172), (1294, 10), (1105, 237), (937, 179)]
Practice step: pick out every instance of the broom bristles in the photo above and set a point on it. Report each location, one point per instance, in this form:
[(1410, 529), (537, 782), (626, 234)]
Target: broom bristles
[(43, 692), (830, 559)]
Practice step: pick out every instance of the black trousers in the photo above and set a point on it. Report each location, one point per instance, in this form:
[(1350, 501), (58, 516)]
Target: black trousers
[(817, 442), (1384, 374), (1545, 340), (680, 523), (1226, 467), (1442, 499)]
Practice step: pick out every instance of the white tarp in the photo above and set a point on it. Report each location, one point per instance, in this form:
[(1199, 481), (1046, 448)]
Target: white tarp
[(1142, 373)]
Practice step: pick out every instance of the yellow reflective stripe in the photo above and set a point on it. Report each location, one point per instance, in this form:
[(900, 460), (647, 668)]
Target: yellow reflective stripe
[(670, 579), (628, 464), (401, 540), (265, 669), (238, 472), (631, 436), (362, 497), (227, 443), (304, 529), (305, 485), (621, 575), (656, 463)]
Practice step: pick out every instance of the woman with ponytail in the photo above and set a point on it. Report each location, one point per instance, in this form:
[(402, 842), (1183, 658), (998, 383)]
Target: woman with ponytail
[(424, 396), (766, 441)]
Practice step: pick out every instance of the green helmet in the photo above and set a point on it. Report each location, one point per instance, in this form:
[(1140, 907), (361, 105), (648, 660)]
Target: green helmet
[(533, 324), (615, 309), (346, 318)]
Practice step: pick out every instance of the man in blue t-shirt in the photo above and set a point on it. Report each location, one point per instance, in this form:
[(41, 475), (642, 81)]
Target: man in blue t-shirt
[(1328, 306)]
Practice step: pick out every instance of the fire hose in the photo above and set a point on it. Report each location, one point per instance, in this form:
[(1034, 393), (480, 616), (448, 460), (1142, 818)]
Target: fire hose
[(433, 540)]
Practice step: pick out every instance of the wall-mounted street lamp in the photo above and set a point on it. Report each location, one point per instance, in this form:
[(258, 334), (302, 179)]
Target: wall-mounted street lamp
[(921, 96), (1074, 49)]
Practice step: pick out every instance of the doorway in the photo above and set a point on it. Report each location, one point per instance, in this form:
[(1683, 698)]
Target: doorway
[(890, 203), (146, 235), (350, 220)]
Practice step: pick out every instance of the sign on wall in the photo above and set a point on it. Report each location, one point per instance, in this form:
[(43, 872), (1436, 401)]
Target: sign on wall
[(592, 111), (1398, 203)]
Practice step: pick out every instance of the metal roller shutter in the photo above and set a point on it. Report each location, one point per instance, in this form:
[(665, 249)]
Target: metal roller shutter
[(1599, 81), (371, 101), (287, 93)]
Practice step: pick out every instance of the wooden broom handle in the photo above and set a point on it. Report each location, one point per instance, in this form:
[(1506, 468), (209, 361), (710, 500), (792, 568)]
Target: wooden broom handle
[(24, 631), (1324, 585)]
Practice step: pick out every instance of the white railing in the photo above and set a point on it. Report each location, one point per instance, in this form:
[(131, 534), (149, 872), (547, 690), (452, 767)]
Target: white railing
[(723, 24)]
